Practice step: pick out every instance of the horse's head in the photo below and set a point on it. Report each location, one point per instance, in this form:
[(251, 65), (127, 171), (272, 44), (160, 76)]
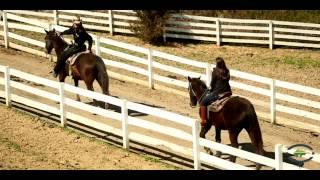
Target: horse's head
[(49, 40), (196, 89), (51, 37)]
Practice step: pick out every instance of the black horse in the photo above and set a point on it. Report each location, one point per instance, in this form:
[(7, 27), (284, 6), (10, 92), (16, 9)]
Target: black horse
[(238, 113), (87, 67)]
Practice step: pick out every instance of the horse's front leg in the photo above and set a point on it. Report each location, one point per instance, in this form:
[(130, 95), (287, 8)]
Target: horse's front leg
[(218, 140), (90, 87), (76, 83), (62, 77), (203, 132)]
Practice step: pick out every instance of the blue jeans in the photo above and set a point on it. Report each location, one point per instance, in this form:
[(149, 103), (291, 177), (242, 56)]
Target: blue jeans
[(209, 97), (73, 49)]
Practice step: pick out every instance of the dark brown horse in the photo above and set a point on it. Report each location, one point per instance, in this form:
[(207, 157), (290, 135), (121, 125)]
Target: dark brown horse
[(88, 66), (238, 113)]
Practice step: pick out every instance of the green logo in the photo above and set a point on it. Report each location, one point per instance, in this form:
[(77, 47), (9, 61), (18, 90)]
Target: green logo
[(301, 154)]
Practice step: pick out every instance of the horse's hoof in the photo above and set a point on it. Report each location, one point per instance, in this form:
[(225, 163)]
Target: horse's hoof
[(209, 151), (218, 154), (232, 159), (258, 166)]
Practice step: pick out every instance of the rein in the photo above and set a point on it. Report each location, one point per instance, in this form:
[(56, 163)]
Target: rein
[(203, 94)]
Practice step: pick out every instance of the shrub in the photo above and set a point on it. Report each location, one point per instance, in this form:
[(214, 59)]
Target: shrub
[(150, 25)]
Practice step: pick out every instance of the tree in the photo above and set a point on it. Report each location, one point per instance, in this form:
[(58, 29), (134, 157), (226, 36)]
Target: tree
[(150, 25)]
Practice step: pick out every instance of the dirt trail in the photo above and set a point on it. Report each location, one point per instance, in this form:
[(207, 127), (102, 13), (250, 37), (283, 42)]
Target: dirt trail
[(27, 142)]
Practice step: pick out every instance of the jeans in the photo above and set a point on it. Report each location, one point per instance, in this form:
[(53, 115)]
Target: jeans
[(209, 97), (65, 55)]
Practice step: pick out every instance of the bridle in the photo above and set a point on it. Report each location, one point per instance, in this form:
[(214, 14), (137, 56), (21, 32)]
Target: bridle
[(192, 91)]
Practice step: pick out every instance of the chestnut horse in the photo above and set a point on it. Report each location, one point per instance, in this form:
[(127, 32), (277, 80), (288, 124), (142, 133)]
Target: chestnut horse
[(238, 113), (87, 67)]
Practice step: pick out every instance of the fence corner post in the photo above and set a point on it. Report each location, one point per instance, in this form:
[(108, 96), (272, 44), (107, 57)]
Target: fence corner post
[(5, 29), (110, 17), (55, 17), (164, 34), (218, 32), (208, 74), (196, 145), (273, 101), (271, 35), (7, 86), (62, 107), (150, 72), (97, 45), (278, 157), (125, 134)]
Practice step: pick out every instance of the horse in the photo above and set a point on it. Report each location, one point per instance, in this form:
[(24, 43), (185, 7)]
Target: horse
[(237, 114), (87, 67)]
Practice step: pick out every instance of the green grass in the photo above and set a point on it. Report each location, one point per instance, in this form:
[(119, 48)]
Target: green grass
[(155, 160), (293, 62), (10, 144), (301, 63)]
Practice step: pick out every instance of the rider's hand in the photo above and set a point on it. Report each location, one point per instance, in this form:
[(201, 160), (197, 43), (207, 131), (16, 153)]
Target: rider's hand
[(58, 33)]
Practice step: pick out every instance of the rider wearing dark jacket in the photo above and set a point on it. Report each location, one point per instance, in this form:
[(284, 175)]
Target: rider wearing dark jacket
[(80, 37), (219, 84)]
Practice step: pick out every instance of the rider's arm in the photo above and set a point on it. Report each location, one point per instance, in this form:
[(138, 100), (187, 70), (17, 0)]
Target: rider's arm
[(68, 31), (89, 38), (213, 79), (228, 76)]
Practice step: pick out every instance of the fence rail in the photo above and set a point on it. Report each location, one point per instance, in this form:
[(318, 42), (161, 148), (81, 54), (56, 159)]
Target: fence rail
[(149, 56), (126, 120), (150, 67), (203, 28)]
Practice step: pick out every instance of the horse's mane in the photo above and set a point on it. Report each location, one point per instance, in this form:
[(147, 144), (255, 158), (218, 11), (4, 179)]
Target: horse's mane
[(64, 41), (203, 84)]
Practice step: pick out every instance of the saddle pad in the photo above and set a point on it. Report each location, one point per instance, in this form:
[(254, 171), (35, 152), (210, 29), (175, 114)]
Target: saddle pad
[(218, 105), (72, 59)]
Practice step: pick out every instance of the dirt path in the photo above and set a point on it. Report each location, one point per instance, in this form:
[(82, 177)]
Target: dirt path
[(272, 134), (27, 142)]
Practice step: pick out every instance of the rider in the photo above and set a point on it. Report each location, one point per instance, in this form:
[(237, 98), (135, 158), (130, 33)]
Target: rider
[(80, 36), (219, 84)]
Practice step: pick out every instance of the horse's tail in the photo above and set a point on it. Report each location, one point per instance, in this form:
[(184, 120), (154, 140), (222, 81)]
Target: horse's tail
[(102, 77), (255, 131)]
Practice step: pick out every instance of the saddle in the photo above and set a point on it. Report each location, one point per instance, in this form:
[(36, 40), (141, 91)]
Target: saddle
[(71, 69), (217, 105)]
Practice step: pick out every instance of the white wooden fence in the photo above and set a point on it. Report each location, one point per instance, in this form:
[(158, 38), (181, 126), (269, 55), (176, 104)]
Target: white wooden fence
[(183, 26), (127, 120), (123, 104), (148, 59)]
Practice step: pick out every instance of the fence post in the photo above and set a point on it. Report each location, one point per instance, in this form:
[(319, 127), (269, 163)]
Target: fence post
[(218, 32), (150, 73), (278, 157), (271, 35), (208, 74), (55, 17), (97, 44), (124, 114), (196, 145), (5, 29), (7, 86), (272, 101), (62, 108), (111, 22), (164, 34)]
